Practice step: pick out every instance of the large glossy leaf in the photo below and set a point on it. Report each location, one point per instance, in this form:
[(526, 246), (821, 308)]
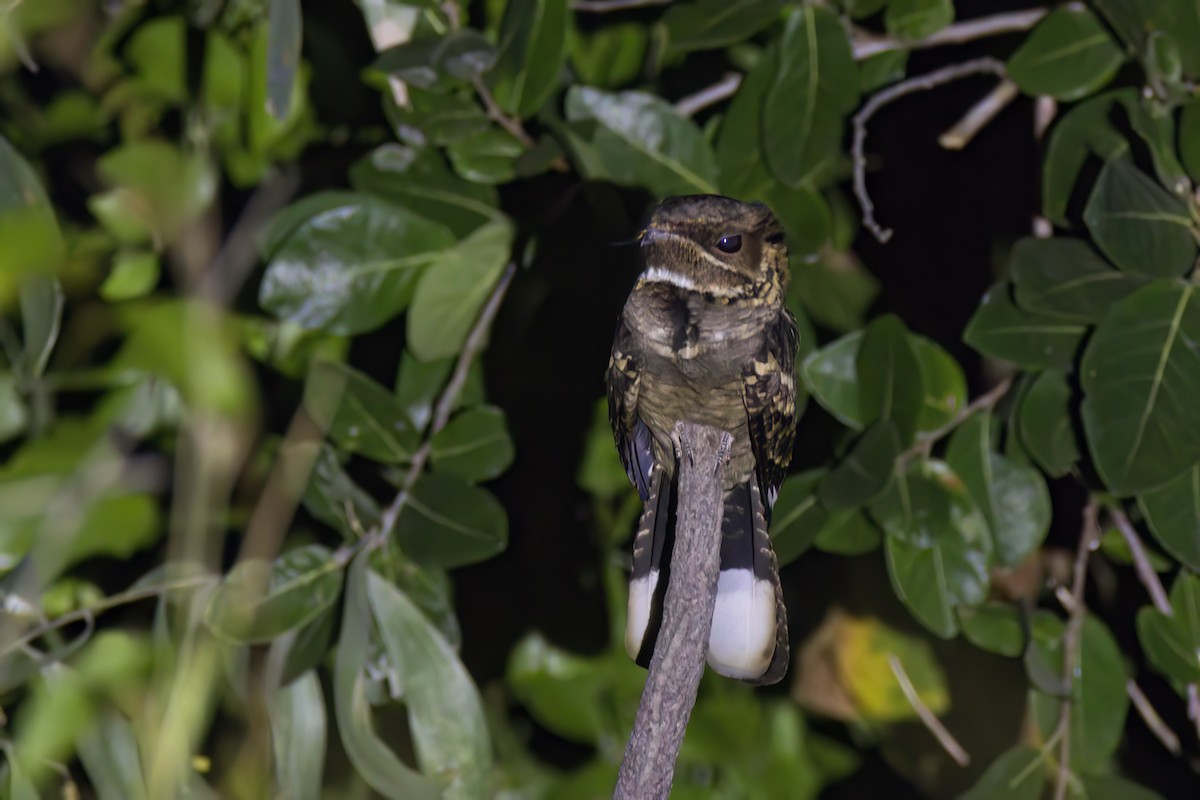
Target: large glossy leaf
[(331, 496), (475, 445), (916, 19), (1045, 425), (1012, 497), (352, 268), (30, 240), (994, 627), (739, 140), (1031, 341), (710, 24), (815, 87), (830, 374), (848, 533), (637, 139), (259, 601), (357, 414), (1084, 131), (1098, 699), (41, 320), (1141, 378), (797, 516), (1172, 643), (533, 44), (889, 377), (937, 544), (382, 770), (1189, 139), (836, 289), (1143, 228), (1017, 774), (865, 471), (445, 713), (453, 290), (487, 157), (298, 730), (1069, 55), (944, 387), (609, 57), (1173, 512), (447, 522), (1066, 279)]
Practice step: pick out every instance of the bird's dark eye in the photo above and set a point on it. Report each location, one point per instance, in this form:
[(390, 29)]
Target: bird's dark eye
[(729, 244)]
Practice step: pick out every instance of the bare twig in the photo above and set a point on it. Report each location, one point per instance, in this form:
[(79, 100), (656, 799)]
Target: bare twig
[(928, 718), (1088, 536), (866, 45), (608, 6), (1141, 562), (725, 88), (445, 405), (985, 402), (496, 114), (1153, 721), (648, 768), (931, 80), (979, 116)]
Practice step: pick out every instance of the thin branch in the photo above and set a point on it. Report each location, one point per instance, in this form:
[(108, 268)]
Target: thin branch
[(648, 768), (496, 114), (931, 80), (1153, 721), (475, 342), (928, 718), (979, 116), (1141, 562), (866, 45), (1088, 537), (985, 402), (721, 90), (608, 6)]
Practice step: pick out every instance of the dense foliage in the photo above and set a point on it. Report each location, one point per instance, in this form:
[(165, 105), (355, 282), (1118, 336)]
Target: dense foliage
[(252, 255)]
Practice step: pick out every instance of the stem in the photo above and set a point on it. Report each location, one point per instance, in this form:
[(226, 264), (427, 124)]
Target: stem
[(985, 402), (931, 80), (497, 115), (866, 45), (1141, 562), (1153, 721), (928, 718), (723, 89), (979, 116)]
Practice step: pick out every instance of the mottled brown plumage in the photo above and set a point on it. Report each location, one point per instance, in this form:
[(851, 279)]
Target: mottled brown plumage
[(705, 336)]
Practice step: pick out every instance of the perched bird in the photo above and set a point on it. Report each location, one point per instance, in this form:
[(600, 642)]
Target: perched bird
[(705, 337)]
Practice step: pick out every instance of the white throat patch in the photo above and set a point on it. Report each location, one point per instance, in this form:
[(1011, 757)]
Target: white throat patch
[(661, 275)]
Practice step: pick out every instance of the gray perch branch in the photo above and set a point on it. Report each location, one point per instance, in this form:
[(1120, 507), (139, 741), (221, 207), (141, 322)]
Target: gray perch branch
[(678, 662)]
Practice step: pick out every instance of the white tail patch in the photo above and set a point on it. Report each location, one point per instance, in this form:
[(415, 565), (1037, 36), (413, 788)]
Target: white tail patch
[(637, 618), (742, 641)]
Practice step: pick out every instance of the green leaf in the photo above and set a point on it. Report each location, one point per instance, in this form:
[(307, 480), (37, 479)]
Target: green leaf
[(109, 754), (848, 533), (331, 496), (937, 544), (285, 28), (1044, 421), (1117, 550), (1065, 279), (1012, 497), (1098, 699), (866, 470), (916, 19), (157, 191), (804, 215), (454, 289), (135, 273), (448, 523), (797, 516), (1172, 643), (259, 601), (474, 445), (30, 240), (609, 57), (889, 377), (352, 268), (1173, 513), (533, 41), (357, 414), (445, 713), (638, 139), (815, 87), (943, 383), (419, 178), (1017, 774), (1084, 131), (994, 627), (1111, 787), (464, 54), (437, 118), (1068, 56), (1140, 378), (14, 415), (739, 139), (1140, 226), (1031, 341), (600, 470), (374, 762), (835, 289), (298, 724), (41, 321), (830, 374), (487, 157), (712, 24), (1189, 139)]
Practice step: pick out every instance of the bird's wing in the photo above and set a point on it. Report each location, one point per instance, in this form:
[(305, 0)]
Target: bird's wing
[(634, 441), (769, 393)]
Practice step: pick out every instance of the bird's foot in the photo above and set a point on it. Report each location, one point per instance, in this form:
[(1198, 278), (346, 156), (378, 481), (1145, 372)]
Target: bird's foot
[(723, 450), (682, 446)]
